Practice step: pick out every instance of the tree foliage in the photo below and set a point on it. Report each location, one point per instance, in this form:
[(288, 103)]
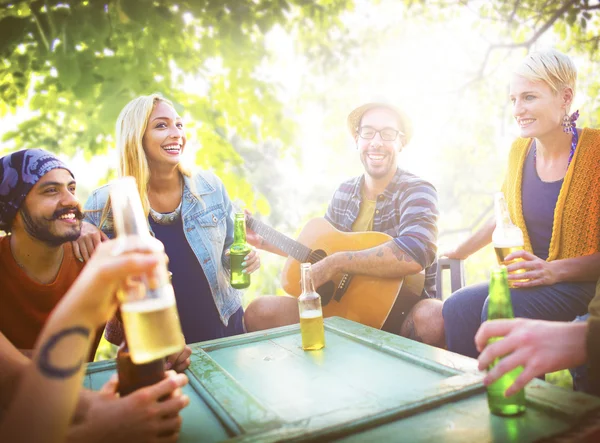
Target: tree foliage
[(524, 22), (76, 63)]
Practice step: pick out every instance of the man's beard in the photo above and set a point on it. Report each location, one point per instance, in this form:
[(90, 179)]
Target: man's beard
[(40, 227)]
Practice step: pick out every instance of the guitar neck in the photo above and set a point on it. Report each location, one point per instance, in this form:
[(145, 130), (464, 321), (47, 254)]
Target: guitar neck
[(283, 242)]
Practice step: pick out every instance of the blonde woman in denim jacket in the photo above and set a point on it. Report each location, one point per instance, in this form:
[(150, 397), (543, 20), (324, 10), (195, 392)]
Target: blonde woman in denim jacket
[(189, 212)]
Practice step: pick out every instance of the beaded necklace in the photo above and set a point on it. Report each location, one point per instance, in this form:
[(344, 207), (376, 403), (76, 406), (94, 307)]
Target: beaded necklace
[(574, 141)]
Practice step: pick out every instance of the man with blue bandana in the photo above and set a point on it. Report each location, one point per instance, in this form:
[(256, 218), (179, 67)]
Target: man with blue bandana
[(39, 211), (41, 215)]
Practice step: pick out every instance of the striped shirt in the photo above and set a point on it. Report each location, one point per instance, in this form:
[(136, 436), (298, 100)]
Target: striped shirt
[(407, 211)]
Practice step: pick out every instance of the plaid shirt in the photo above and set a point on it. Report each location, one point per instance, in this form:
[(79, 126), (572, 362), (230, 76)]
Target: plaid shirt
[(407, 211)]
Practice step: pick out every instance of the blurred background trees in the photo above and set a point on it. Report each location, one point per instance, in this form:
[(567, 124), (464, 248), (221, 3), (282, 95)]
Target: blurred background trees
[(265, 86)]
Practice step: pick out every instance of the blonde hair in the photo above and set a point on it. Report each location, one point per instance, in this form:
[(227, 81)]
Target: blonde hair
[(554, 68), (131, 126)]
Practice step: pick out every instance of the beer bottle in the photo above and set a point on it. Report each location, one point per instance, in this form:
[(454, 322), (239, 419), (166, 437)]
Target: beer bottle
[(148, 308), (507, 238), (311, 314), (133, 377), (238, 252), (500, 306)]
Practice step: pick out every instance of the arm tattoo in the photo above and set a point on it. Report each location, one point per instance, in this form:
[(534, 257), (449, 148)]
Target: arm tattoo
[(379, 252), (399, 253), (46, 367), (360, 254)]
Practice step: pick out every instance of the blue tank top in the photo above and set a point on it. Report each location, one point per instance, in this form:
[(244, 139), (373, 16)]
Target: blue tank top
[(198, 313), (539, 200)]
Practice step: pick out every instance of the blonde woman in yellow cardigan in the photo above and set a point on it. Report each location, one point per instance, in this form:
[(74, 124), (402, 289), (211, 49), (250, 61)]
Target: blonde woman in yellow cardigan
[(552, 192)]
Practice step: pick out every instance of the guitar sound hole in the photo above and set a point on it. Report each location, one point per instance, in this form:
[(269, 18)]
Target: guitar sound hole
[(316, 256), (326, 292)]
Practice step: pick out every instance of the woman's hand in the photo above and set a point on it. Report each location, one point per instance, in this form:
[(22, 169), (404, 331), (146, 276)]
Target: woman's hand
[(93, 294), (252, 238), (537, 271), (251, 262), (88, 241)]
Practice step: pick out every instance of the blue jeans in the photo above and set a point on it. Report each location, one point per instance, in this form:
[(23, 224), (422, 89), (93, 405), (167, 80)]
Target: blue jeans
[(466, 309)]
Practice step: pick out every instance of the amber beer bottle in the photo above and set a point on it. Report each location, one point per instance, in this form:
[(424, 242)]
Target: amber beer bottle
[(311, 313), (148, 306), (133, 377), (507, 238), (238, 252), (500, 306)]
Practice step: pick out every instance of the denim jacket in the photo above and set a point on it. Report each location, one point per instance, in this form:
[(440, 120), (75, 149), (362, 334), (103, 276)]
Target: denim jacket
[(208, 224)]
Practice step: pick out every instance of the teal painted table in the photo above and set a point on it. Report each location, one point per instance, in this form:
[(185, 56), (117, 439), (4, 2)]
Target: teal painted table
[(365, 385)]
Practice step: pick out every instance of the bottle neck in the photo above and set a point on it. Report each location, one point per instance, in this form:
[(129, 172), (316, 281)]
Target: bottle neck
[(500, 303), (501, 213), (239, 231), (307, 282)]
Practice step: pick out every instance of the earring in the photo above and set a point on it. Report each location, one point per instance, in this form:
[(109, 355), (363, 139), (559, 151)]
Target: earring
[(568, 122)]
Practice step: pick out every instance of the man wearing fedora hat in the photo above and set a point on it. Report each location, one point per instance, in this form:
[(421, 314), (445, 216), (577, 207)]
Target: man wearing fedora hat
[(388, 199)]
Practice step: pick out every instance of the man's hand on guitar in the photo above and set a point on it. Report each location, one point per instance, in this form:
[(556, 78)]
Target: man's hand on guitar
[(322, 272)]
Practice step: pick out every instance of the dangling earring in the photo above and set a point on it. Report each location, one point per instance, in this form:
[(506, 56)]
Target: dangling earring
[(568, 122)]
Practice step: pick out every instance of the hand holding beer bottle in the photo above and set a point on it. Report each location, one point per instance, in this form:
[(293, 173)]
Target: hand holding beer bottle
[(500, 307), (148, 306), (311, 313), (240, 278), (133, 377), (507, 238)]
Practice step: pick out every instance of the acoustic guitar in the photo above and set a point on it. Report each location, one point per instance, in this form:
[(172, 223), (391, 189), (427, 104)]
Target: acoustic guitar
[(364, 299)]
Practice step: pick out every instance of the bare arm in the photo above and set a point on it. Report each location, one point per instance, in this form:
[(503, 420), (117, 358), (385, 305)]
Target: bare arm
[(54, 376), (386, 261), (480, 238), (13, 364)]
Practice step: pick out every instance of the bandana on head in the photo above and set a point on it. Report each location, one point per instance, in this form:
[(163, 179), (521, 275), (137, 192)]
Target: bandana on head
[(19, 172)]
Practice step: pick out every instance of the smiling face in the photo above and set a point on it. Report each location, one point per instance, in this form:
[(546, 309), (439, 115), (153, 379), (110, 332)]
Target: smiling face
[(164, 139), (51, 212), (378, 156), (537, 109)]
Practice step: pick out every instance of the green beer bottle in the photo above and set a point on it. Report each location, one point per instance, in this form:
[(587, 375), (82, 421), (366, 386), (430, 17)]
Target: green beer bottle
[(238, 251), (500, 306)]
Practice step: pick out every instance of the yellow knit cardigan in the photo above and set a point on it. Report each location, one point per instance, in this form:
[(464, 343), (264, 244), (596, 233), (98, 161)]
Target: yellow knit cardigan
[(576, 228)]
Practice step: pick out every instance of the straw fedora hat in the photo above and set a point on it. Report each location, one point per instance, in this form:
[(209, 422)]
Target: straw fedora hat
[(404, 121)]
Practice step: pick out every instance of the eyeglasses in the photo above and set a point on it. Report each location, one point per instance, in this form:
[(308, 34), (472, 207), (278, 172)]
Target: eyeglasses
[(387, 134)]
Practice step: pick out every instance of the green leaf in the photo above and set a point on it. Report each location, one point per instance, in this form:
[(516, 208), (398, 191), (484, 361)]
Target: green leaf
[(69, 72)]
